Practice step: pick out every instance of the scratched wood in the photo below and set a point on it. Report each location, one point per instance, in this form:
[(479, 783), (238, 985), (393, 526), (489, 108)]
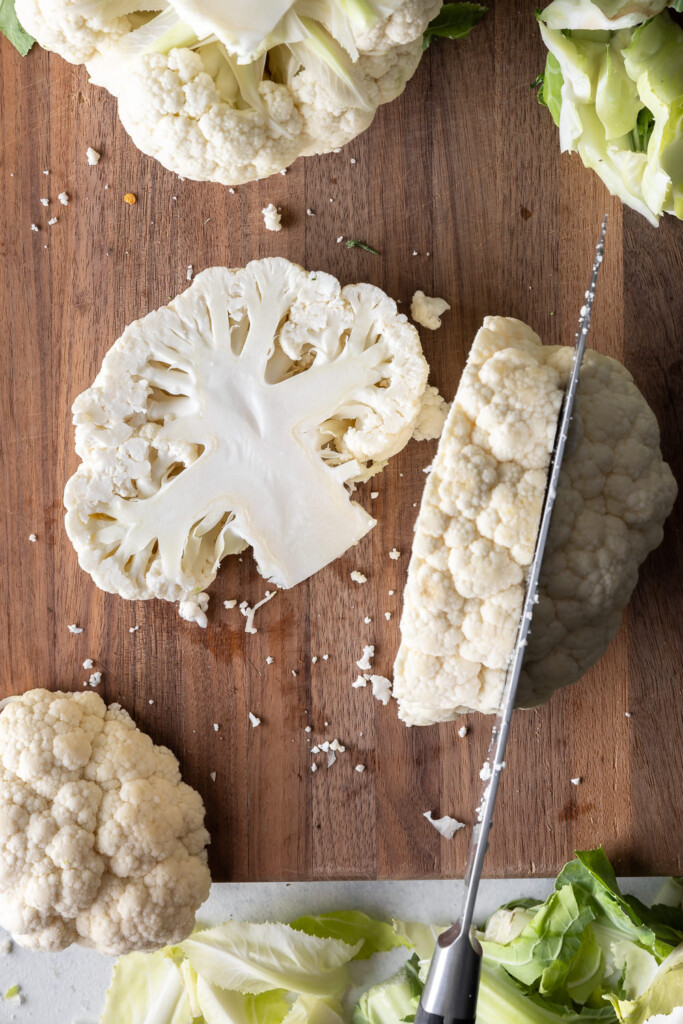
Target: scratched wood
[(463, 170)]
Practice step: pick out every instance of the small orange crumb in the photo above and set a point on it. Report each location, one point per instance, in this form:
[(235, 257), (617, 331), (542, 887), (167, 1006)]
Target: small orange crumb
[(130, 199)]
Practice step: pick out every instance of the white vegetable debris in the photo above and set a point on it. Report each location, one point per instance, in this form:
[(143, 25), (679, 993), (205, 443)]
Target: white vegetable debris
[(390, 593), (331, 758), (627, 714), (133, 629), (95, 679), (577, 781), (92, 156), (314, 767), (336, 745), (190, 272), (373, 495), (387, 616), (358, 577), (360, 768), (314, 658), (249, 613), (367, 620), (426, 311), (269, 660), (368, 654), (326, 657), (52, 220), (352, 160), (308, 729), (394, 554), (381, 688), (232, 603), (212, 776), (193, 609), (73, 628), (485, 773), (447, 826), (340, 239), (462, 731), (63, 198), (361, 681), (254, 720), (216, 726), (34, 227), (44, 202), (272, 217), (32, 537), (309, 213), (315, 750)]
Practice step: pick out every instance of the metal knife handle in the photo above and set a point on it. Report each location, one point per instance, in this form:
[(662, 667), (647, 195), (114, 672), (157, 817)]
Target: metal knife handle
[(450, 993)]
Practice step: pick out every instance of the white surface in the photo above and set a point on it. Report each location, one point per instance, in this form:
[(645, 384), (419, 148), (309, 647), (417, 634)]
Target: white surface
[(69, 987)]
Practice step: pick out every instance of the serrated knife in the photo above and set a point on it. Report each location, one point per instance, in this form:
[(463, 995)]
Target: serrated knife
[(450, 992)]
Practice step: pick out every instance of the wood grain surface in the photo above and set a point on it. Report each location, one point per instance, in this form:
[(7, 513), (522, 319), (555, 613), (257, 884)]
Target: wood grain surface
[(465, 171)]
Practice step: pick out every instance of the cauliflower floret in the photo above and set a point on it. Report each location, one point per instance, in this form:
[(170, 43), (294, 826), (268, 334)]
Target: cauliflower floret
[(477, 527), (74, 29), (426, 311), (235, 416), (100, 842), (432, 416)]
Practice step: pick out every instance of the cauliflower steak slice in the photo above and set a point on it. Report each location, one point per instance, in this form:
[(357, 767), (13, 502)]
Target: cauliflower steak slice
[(101, 843), (238, 415), (477, 526)]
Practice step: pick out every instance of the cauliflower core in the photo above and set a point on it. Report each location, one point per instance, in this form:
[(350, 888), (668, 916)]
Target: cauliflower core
[(233, 93), (237, 415), (476, 530), (100, 842)]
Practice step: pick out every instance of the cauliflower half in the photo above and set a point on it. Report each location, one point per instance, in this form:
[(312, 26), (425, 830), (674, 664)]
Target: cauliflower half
[(235, 92), (240, 414), (477, 526), (100, 842)]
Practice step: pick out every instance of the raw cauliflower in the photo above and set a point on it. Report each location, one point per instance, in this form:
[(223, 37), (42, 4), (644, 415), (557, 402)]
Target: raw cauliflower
[(101, 843), (240, 414), (477, 526), (231, 94), (427, 311)]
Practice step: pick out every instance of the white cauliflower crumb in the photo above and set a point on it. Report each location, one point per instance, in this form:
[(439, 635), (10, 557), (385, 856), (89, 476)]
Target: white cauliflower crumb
[(331, 758), (32, 537), (52, 220), (340, 239), (426, 311), (394, 554), (485, 773), (308, 729), (95, 679), (190, 272), (73, 628), (373, 495), (272, 217), (368, 654), (249, 613), (92, 156), (433, 413), (462, 731), (269, 660), (216, 726), (193, 609), (360, 768), (315, 750), (314, 658), (212, 776), (358, 577), (361, 681), (232, 603), (447, 826), (254, 720), (367, 620), (577, 781), (63, 198), (34, 227), (133, 629), (336, 745), (387, 616), (88, 663), (314, 767), (381, 688), (309, 213), (44, 202)]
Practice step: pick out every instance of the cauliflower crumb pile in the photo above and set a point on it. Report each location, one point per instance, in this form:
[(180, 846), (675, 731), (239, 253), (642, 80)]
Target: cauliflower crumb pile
[(102, 844)]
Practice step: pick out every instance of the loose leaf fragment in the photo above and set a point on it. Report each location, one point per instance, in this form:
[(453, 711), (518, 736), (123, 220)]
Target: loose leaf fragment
[(353, 243), (454, 21), (11, 27), (352, 926)]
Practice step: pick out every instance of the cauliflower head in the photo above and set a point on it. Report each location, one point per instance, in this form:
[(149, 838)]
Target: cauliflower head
[(240, 414), (101, 843), (236, 92), (476, 530)]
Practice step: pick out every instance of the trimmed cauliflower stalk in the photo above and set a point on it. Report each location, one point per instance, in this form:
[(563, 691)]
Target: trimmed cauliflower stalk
[(101, 843), (240, 414), (599, 15), (234, 92), (477, 527)]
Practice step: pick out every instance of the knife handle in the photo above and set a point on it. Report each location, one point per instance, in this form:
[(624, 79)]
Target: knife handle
[(422, 1017)]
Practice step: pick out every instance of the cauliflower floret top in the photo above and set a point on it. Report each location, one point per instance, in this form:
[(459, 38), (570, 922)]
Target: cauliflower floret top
[(101, 843), (477, 527), (235, 416)]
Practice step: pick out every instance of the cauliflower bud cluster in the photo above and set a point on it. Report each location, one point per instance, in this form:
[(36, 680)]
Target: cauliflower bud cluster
[(242, 413), (101, 843), (235, 92), (476, 530)]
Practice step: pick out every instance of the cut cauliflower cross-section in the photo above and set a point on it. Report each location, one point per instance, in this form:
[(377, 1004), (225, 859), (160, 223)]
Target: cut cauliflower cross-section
[(230, 92), (476, 530), (101, 843), (239, 414)]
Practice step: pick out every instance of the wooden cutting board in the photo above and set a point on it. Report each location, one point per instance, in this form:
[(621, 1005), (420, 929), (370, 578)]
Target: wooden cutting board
[(461, 186)]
